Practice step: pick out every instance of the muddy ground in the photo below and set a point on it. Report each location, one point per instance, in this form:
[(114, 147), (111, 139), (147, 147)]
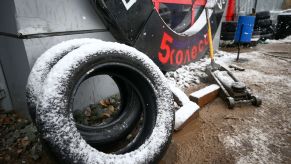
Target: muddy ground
[(246, 134)]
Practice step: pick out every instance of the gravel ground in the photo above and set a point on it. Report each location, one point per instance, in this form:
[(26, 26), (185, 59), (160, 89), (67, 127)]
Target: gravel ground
[(246, 134)]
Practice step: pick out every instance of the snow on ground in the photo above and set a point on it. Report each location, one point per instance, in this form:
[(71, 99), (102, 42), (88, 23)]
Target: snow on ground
[(256, 139), (193, 73), (202, 92), (286, 40), (188, 75)]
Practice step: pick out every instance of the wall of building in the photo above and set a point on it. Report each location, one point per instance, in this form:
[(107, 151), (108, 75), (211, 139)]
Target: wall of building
[(13, 58), (245, 6), (42, 22)]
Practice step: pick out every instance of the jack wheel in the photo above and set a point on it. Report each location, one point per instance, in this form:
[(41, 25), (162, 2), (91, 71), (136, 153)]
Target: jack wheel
[(256, 101), (230, 102)]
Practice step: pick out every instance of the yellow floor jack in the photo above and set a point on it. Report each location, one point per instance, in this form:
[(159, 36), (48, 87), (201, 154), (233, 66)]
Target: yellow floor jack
[(232, 90)]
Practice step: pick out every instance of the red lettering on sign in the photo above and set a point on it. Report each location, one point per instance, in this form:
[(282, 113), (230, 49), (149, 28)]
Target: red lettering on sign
[(167, 39), (179, 57), (172, 56), (201, 46), (169, 55), (187, 57), (194, 52)]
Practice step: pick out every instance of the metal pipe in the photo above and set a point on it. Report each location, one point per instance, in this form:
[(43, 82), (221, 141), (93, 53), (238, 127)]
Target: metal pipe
[(256, 2), (238, 8)]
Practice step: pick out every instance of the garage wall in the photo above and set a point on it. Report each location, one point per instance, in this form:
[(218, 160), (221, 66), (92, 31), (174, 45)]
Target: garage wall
[(5, 102), (13, 58), (262, 5), (48, 16), (33, 26)]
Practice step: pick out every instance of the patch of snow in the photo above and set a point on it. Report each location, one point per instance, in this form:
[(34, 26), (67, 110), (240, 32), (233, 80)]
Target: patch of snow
[(46, 61), (280, 11), (286, 40), (179, 94), (205, 91), (193, 73), (231, 141), (184, 113), (188, 75), (258, 150)]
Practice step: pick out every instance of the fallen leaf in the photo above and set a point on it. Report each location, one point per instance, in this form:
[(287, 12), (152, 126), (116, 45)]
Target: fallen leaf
[(107, 102), (25, 142), (7, 121), (103, 103), (110, 109), (106, 115)]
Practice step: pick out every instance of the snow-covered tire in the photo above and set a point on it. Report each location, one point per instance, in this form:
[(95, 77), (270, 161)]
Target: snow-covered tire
[(42, 67), (98, 135), (55, 122)]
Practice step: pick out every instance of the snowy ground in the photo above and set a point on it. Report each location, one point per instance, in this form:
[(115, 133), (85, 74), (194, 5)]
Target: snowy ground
[(246, 134), (194, 73)]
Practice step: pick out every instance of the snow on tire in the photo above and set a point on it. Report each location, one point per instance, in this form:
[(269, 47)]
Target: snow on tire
[(43, 65), (55, 121), (98, 135)]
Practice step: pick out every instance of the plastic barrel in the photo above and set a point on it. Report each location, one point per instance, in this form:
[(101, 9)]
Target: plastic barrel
[(244, 29)]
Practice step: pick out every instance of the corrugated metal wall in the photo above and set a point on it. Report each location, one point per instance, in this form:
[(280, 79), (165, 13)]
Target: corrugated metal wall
[(262, 5)]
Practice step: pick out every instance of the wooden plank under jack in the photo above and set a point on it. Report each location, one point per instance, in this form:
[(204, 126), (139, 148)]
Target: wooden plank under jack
[(205, 95)]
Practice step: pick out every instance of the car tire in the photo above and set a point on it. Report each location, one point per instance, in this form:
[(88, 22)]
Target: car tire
[(229, 26), (55, 121), (263, 15), (283, 26), (42, 68), (227, 36), (118, 128), (264, 23)]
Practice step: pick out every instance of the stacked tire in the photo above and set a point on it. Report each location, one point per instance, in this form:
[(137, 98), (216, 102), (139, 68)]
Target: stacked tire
[(147, 101), (283, 26), (263, 25), (228, 30)]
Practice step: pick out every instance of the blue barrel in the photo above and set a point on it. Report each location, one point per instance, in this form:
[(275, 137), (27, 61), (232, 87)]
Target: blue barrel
[(244, 30)]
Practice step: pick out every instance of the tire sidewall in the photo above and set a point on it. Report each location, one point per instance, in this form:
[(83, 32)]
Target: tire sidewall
[(56, 124)]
